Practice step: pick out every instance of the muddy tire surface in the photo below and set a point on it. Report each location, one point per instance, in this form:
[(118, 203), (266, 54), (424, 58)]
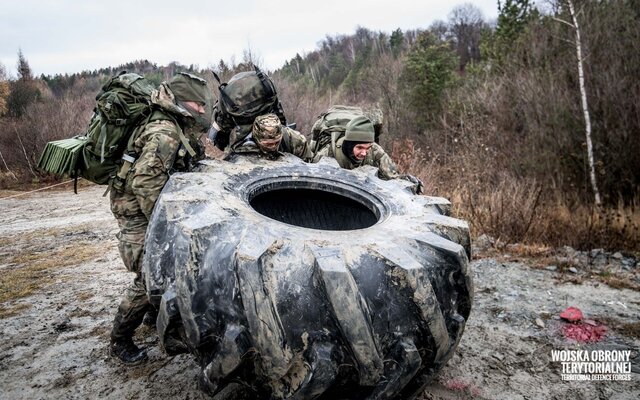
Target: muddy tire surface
[(301, 281)]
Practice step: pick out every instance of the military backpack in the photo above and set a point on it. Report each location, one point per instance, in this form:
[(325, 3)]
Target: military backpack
[(121, 106), (247, 95), (331, 125)]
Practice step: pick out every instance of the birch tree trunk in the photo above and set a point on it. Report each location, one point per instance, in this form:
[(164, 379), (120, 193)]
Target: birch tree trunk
[(585, 105)]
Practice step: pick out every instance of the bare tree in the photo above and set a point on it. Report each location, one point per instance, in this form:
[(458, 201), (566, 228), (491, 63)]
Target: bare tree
[(440, 30), (465, 24), (583, 94), (251, 56), (4, 90)]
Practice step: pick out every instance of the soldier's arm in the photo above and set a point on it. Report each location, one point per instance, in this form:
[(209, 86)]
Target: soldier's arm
[(386, 167), (323, 152), (299, 145), (151, 170)]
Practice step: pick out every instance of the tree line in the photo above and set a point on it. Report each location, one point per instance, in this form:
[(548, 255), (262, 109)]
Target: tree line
[(489, 113)]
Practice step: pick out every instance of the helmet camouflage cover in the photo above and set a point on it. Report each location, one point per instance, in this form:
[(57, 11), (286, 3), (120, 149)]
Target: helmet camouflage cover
[(187, 87), (267, 128)]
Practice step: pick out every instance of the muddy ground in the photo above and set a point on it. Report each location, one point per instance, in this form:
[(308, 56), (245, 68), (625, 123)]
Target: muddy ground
[(61, 280)]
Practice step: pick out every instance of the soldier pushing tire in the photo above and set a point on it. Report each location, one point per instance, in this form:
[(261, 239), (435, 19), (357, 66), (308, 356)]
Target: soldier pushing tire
[(290, 280)]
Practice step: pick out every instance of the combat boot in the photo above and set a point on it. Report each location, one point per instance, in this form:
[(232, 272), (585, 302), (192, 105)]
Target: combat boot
[(127, 351)]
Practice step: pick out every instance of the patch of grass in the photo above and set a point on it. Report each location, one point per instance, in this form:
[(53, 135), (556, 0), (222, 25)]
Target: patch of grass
[(82, 296), (631, 329), (574, 279), (605, 274), (31, 237), (6, 312), (35, 270), (618, 282), (529, 250)]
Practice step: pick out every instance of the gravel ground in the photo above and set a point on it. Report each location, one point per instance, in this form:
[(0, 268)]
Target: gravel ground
[(61, 280)]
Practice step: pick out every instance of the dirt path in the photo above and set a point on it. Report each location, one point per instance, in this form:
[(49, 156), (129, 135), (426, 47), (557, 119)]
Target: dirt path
[(61, 280)]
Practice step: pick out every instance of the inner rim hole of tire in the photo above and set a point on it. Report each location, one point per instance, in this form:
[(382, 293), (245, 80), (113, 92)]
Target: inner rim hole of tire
[(315, 209)]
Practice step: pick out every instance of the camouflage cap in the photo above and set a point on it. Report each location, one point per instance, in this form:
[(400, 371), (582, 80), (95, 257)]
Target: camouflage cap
[(360, 129), (188, 87), (267, 127)]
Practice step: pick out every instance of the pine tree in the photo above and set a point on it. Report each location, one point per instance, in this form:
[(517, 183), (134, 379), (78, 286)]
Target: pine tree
[(396, 41), (429, 70), (513, 18), (23, 91), (24, 70)]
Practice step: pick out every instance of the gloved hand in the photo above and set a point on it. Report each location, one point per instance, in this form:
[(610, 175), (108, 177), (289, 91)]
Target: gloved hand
[(418, 187)]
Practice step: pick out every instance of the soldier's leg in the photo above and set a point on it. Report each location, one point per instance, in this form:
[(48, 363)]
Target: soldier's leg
[(135, 302), (133, 225)]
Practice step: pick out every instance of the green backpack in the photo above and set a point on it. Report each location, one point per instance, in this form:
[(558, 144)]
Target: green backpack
[(121, 106), (331, 125), (247, 95)]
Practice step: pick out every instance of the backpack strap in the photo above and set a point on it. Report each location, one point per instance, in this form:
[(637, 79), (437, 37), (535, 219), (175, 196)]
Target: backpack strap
[(335, 135), (217, 77), (183, 138), (185, 142), (279, 111), (285, 143), (270, 90), (225, 97)]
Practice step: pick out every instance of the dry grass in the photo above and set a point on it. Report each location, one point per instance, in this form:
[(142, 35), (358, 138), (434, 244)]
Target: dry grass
[(614, 228), (515, 209), (631, 329), (34, 270), (10, 311), (618, 282), (37, 258)]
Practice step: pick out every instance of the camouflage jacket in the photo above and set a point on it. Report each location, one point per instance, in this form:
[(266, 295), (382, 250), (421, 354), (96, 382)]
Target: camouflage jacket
[(157, 147), (159, 151), (375, 157), (292, 142)]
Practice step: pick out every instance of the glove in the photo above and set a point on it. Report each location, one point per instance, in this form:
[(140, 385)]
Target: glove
[(418, 187)]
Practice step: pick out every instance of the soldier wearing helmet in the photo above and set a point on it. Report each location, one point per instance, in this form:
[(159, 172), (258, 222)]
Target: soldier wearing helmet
[(167, 141), (268, 137)]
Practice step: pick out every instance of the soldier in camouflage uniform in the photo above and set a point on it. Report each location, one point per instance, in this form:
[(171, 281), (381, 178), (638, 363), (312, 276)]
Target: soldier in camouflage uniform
[(268, 137), (357, 148), (168, 141)]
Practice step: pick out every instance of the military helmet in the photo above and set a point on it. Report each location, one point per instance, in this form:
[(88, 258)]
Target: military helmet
[(267, 132), (266, 126), (188, 87), (360, 129)]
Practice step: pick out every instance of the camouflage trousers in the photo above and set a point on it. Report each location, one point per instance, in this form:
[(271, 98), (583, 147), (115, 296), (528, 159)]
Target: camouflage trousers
[(133, 226)]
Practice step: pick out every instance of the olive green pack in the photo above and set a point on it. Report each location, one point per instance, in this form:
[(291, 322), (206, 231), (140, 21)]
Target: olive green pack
[(247, 95), (122, 105), (332, 124)]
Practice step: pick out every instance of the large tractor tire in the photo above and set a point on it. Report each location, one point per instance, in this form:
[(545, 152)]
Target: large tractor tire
[(301, 281)]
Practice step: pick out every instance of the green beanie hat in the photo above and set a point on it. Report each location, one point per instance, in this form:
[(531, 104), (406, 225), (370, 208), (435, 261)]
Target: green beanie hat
[(360, 129), (188, 87)]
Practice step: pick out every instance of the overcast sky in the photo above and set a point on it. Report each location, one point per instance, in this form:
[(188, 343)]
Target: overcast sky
[(66, 36)]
